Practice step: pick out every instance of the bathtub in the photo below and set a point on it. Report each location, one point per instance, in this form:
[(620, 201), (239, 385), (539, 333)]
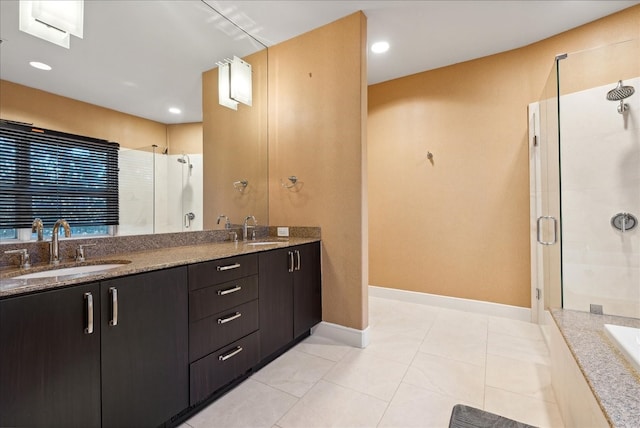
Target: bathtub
[(627, 340)]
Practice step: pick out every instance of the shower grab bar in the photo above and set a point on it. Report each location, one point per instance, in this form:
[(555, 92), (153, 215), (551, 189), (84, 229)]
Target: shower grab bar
[(539, 230)]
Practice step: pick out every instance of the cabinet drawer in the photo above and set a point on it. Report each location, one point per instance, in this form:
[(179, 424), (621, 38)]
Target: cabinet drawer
[(211, 300), (214, 332), (219, 368), (218, 271)]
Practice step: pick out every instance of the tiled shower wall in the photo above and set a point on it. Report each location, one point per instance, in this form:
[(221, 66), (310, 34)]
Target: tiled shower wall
[(600, 177), (176, 193)]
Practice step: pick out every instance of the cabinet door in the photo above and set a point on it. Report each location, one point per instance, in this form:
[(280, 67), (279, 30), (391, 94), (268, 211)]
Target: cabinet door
[(275, 300), (307, 285), (49, 365), (144, 355)]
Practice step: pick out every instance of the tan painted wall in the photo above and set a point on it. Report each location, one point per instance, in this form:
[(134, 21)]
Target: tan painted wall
[(45, 110), (185, 138), (460, 226), (317, 114), (235, 148)]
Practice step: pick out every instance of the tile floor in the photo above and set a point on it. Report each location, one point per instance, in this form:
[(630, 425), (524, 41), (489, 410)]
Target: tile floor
[(421, 361)]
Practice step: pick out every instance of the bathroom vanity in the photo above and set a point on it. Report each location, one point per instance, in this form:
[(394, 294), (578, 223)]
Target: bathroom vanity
[(147, 343)]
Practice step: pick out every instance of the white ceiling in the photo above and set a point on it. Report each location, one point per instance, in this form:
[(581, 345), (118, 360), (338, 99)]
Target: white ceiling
[(142, 57)]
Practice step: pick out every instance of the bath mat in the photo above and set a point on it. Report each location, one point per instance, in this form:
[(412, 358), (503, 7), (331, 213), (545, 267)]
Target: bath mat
[(469, 417)]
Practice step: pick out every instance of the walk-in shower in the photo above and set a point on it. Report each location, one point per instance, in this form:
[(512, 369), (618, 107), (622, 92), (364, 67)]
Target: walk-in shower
[(585, 175), (620, 93), (159, 192)]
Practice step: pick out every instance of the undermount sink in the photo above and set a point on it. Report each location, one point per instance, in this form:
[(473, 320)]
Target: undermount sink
[(263, 243), (75, 270)]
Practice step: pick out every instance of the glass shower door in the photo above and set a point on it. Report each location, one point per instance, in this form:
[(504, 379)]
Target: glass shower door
[(600, 179)]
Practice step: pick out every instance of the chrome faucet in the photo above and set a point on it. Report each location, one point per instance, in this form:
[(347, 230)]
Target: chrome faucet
[(38, 227), (227, 223), (246, 226), (55, 248)]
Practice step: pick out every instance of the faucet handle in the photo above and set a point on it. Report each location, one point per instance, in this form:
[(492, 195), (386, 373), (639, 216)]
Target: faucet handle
[(25, 259), (80, 257)]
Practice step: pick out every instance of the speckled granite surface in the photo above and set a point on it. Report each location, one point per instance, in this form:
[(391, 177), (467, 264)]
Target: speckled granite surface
[(139, 254), (614, 382)]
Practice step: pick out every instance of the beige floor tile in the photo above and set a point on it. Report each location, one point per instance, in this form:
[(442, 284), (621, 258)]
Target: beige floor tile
[(519, 348), (294, 372), (367, 373), (521, 377), (330, 405), (516, 328), (394, 346), (417, 407), (462, 341), (521, 408), (323, 347), (251, 404), (463, 381)]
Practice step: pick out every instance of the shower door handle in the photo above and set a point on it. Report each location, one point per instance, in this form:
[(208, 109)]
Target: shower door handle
[(187, 219), (539, 230)]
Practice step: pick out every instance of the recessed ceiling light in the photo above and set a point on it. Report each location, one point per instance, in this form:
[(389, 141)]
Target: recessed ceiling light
[(379, 47), (40, 65), (175, 110)]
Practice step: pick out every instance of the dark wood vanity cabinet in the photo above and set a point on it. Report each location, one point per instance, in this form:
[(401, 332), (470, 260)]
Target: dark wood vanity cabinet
[(144, 348), (223, 323), (55, 371), (137, 350), (50, 360), (290, 295)]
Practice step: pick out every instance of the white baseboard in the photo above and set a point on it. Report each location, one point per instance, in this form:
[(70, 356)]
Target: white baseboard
[(346, 335), (486, 308)]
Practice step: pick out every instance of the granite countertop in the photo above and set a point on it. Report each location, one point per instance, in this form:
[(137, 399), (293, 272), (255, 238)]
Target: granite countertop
[(613, 381), (137, 262)]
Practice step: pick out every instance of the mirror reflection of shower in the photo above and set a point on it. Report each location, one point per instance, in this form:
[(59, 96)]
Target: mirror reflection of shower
[(157, 189), (185, 159)]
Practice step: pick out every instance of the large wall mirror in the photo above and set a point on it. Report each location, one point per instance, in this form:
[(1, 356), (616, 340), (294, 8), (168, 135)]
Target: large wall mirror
[(136, 61)]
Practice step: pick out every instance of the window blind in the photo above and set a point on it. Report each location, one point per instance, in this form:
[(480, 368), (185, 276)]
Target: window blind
[(52, 175)]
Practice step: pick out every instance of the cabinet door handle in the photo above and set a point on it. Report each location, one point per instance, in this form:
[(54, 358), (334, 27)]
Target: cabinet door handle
[(297, 260), (114, 306), (223, 268), (229, 290), (230, 354), (229, 318), (291, 266), (88, 297)]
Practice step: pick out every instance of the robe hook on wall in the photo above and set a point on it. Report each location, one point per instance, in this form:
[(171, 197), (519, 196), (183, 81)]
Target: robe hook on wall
[(240, 185), (293, 179)]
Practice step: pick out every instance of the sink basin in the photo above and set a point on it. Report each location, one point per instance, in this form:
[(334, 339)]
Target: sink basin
[(255, 244), (75, 270)]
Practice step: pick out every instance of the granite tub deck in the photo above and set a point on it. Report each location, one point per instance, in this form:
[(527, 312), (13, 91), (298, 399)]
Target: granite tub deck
[(137, 262), (611, 377)]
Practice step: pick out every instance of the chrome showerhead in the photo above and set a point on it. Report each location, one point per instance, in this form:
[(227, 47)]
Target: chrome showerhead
[(619, 93), (182, 160)]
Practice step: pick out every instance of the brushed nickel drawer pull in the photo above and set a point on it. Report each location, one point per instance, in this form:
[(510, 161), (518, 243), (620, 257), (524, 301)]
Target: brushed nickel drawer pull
[(231, 318), (229, 290), (291, 265), (223, 268), (114, 306), (89, 298), (298, 260), (233, 353)]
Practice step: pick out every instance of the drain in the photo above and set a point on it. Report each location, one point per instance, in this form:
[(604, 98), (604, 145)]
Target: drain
[(624, 221)]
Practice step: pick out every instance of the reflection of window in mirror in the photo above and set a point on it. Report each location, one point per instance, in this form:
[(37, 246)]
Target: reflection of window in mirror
[(52, 175)]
